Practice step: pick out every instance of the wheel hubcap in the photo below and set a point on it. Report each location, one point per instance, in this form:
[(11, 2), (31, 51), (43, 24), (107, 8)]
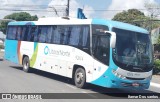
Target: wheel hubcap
[(79, 77), (26, 65)]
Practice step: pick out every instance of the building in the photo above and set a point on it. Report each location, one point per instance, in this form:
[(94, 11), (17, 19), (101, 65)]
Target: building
[(155, 33)]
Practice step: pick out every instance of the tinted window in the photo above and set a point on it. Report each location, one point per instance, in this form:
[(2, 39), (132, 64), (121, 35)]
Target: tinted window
[(34, 33), (101, 48), (11, 34), (85, 36), (98, 29), (25, 33), (100, 43), (133, 49), (31, 33), (65, 34), (49, 34), (56, 35), (43, 30), (79, 36), (75, 36)]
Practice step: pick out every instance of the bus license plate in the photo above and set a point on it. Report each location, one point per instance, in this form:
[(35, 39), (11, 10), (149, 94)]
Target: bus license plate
[(135, 84)]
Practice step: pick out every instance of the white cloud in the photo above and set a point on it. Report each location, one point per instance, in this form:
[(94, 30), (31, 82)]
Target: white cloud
[(125, 5), (89, 14), (59, 5), (74, 5), (14, 5)]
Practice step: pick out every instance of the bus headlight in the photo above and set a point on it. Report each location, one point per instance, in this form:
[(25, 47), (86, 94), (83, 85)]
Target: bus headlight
[(149, 78), (118, 75)]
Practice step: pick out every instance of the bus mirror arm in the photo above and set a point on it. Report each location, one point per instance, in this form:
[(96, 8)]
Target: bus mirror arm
[(112, 39)]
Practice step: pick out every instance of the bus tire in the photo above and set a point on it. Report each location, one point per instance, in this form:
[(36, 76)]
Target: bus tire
[(80, 78), (26, 64)]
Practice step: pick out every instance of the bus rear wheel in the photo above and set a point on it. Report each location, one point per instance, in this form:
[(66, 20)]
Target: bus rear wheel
[(26, 64), (80, 78)]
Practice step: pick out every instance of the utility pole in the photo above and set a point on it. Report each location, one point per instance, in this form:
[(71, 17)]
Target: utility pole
[(67, 9)]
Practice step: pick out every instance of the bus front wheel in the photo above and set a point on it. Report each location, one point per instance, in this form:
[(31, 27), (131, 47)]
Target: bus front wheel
[(80, 78), (26, 64)]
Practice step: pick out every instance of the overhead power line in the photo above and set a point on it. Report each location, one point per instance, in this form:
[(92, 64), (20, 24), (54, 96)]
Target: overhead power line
[(68, 7), (41, 10), (23, 5), (10, 9)]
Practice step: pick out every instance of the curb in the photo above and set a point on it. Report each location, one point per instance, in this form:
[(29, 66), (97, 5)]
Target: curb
[(155, 84)]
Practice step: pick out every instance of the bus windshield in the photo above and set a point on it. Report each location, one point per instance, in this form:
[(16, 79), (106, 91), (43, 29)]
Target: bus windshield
[(133, 51)]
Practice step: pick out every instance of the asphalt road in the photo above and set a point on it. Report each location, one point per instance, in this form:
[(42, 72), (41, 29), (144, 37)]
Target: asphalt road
[(14, 80)]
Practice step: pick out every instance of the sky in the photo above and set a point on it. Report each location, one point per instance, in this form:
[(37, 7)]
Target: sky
[(105, 9)]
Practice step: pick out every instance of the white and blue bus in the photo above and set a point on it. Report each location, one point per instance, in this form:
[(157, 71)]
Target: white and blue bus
[(101, 52)]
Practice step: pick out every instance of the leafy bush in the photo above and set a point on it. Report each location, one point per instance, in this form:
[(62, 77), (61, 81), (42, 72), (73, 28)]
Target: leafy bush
[(1, 47), (156, 66)]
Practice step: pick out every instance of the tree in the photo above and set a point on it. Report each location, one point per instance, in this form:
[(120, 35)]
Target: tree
[(136, 17), (153, 9), (22, 16), (131, 16)]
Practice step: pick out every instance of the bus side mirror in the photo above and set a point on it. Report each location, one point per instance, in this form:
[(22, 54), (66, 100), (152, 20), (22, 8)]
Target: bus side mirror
[(112, 39)]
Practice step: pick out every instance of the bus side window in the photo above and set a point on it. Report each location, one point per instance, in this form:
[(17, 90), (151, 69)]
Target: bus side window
[(9, 32), (65, 33), (49, 34), (85, 36), (19, 33), (75, 36), (94, 40), (30, 34), (55, 35), (25, 33), (33, 33), (42, 34), (52, 35), (12, 30)]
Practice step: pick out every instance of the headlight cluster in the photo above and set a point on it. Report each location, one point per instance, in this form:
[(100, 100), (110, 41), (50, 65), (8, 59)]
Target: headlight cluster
[(118, 75), (149, 78)]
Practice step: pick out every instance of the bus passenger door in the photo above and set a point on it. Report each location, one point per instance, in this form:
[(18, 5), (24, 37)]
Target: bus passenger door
[(100, 49)]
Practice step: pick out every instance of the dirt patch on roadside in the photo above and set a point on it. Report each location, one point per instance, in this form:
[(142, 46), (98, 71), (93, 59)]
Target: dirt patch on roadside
[(156, 78)]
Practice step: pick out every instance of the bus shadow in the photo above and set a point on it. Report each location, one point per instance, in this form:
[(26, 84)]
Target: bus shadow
[(17, 67), (46, 74), (100, 92)]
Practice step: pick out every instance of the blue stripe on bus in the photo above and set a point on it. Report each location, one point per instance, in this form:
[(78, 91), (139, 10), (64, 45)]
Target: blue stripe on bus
[(11, 50), (22, 23), (35, 45)]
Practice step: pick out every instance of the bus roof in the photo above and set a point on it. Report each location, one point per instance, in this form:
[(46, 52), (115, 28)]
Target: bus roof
[(73, 21), (116, 24)]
